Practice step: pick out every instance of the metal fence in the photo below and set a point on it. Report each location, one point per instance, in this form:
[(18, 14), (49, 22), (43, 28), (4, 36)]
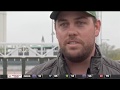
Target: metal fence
[(19, 65)]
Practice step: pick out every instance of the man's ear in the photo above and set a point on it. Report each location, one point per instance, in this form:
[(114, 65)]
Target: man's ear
[(97, 27)]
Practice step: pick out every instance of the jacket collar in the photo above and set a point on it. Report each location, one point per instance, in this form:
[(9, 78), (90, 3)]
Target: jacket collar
[(96, 61), (94, 64)]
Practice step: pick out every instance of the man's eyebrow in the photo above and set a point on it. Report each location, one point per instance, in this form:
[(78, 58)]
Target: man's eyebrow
[(61, 19), (82, 17)]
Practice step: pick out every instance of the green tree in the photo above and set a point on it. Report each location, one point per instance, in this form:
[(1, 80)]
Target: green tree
[(110, 51)]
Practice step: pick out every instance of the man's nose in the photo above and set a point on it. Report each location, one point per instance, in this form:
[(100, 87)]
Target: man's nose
[(72, 31)]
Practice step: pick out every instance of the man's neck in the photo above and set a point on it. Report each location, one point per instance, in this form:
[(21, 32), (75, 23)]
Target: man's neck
[(80, 68)]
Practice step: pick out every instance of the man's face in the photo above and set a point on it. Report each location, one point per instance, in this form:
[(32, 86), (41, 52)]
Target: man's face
[(76, 32)]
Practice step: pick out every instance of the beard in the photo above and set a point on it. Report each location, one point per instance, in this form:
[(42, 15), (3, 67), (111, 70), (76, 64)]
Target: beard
[(80, 55)]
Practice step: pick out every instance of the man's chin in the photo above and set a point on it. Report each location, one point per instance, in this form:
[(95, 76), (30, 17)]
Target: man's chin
[(74, 54)]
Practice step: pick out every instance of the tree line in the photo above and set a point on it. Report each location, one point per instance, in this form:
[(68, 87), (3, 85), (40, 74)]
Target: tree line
[(110, 51)]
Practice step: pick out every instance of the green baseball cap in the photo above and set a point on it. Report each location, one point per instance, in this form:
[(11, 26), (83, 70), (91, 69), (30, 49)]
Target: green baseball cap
[(54, 14)]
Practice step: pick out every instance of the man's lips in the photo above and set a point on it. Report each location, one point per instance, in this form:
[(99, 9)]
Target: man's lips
[(73, 42)]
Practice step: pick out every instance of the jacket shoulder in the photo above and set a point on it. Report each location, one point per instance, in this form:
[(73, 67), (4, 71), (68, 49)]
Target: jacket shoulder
[(112, 66), (44, 68)]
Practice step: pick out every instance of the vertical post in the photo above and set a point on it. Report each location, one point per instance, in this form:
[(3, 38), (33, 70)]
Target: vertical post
[(4, 66), (23, 65), (3, 19), (52, 32), (40, 60)]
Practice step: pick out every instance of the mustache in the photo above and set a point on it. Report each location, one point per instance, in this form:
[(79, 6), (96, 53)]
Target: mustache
[(73, 40)]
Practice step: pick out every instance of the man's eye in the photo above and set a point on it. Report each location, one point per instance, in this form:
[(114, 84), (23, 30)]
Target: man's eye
[(80, 23), (63, 24)]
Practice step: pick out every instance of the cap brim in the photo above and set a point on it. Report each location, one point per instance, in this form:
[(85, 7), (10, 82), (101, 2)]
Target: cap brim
[(54, 14)]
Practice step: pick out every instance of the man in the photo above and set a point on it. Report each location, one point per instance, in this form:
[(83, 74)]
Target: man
[(79, 54)]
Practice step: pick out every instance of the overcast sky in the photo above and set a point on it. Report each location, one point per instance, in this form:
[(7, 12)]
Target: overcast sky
[(28, 27)]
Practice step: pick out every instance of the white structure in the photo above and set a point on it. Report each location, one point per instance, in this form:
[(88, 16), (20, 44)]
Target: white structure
[(22, 50), (2, 26)]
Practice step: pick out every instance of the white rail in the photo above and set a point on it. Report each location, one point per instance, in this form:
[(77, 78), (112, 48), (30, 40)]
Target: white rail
[(23, 50)]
